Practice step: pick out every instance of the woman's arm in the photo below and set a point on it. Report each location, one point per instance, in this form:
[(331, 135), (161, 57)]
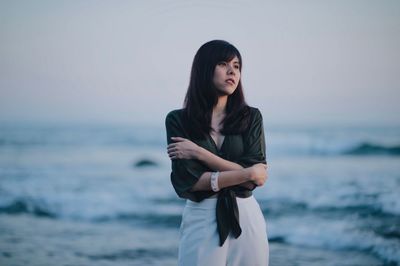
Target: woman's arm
[(219, 164), (256, 174), (215, 162), (184, 148), (189, 149)]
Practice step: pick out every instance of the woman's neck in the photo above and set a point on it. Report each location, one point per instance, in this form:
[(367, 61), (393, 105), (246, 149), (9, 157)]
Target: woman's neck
[(220, 107)]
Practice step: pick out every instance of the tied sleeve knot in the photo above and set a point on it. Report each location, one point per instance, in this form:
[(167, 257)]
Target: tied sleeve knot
[(228, 213)]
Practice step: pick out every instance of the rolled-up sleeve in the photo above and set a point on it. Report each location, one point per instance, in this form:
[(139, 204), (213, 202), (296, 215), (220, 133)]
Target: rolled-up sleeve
[(184, 172), (254, 142)]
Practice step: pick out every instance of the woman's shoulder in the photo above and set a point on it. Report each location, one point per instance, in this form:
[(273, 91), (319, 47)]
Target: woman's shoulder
[(255, 113), (174, 116), (256, 118), (176, 113), (253, 109)]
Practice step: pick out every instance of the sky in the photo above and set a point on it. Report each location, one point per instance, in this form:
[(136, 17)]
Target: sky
[(304, 62)]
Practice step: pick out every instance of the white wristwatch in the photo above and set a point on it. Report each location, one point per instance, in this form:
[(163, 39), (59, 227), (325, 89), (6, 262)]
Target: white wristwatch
[(214, 181)]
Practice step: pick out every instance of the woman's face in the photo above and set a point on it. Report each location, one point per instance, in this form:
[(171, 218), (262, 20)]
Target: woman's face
[(227, 76)]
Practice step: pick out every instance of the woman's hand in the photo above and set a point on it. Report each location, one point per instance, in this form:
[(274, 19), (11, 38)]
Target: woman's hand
[(258, 173), (183, 149)]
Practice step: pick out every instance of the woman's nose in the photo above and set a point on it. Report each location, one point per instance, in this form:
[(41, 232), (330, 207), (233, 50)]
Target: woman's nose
[(230, 70)]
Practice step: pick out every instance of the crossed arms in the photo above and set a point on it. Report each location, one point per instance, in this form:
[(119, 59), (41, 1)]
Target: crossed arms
[(191, 164), (231, 172)]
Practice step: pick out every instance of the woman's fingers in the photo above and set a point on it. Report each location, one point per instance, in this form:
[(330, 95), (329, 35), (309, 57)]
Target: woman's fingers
[(178, 139), (173, 155), (182, 148), (173, 151), (172, 147)]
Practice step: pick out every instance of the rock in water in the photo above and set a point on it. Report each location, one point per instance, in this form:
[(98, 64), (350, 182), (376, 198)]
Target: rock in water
[(145, 162)]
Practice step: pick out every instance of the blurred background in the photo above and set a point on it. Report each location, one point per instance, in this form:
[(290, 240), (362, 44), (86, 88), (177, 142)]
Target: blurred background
[(84, 90)]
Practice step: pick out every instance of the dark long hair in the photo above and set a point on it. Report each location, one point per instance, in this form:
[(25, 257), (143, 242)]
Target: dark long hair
[(201, 95)]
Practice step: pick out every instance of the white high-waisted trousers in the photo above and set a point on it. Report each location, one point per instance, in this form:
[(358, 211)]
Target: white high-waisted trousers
[(199, 240)]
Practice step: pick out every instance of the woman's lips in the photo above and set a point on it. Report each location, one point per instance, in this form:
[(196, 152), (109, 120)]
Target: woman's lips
[(230, 81)]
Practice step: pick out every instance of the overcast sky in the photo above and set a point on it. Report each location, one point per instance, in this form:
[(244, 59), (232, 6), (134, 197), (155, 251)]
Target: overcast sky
[(304, 62)]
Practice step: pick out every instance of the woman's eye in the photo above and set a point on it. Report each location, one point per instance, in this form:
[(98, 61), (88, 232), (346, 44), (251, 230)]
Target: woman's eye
[(237, 67), (221, 63)]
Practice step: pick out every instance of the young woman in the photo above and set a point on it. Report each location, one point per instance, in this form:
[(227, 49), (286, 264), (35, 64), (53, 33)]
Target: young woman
[(217, 147)]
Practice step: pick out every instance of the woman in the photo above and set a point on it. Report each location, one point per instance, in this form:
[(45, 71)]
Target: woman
[(217, 147)]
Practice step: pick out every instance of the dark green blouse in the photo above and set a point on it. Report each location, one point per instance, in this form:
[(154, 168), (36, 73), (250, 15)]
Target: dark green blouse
[(245, 149)]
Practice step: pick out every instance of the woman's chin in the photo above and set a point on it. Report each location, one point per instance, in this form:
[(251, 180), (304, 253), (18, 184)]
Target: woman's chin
[(226, 92)]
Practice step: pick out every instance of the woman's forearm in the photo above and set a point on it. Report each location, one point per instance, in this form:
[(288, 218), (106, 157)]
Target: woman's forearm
[(225, 179), (215, 162)]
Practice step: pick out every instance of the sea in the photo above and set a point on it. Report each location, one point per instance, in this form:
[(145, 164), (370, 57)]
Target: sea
[(100, 194)]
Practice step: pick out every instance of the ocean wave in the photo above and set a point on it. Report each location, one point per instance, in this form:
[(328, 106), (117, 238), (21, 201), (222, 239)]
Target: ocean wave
[(288, 142), (22, 206), (360, 227), (373, 149), (153, 219), (19, 137), (278, 208), (166, 212), (333, 148), (145, 219), (343, 233), (142, 253)]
